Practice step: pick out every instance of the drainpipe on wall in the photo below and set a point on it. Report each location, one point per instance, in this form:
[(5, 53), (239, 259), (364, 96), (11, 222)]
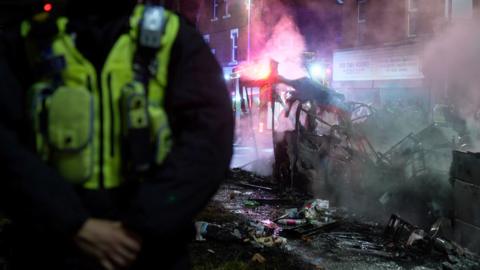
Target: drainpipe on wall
[(249, 23)]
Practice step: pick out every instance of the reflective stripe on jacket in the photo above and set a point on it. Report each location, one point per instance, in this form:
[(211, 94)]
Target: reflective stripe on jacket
[(105, 143)]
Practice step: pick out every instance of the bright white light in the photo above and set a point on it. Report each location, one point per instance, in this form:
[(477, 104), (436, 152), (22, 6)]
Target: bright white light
[(226, 76), (317, 71)]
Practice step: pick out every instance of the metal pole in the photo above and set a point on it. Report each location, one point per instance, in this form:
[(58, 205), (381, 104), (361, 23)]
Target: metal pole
[(249, 29)]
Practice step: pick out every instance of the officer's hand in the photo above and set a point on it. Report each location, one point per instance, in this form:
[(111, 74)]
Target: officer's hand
[(109, 242)]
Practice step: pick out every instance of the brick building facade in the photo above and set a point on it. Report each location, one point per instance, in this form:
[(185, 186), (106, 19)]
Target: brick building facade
[(373, 22), (380, 56), (225, 26), (230, 26)]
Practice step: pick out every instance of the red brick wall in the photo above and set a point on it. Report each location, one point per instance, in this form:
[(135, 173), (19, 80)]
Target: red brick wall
[(219, 30), (387, 21), (349, 24)]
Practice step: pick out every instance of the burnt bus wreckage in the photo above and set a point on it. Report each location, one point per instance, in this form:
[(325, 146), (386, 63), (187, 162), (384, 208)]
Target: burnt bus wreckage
[(329, 151)]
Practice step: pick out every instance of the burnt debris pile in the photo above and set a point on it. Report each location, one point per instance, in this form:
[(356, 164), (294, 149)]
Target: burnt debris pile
[(267, 217), (372, 159)]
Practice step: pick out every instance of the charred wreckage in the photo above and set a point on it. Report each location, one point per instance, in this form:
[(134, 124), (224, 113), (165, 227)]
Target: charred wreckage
[(361, 157)]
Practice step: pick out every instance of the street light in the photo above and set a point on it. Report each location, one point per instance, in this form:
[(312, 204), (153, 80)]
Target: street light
[(317, 71)]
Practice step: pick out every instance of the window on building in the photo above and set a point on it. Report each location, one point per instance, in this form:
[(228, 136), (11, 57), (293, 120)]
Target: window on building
[(227, 12), (215, 10), (207, 40), (448, 9), (362, 11), (361, 21), (412, 18), (412, 4), (234, 38), (476, 8)]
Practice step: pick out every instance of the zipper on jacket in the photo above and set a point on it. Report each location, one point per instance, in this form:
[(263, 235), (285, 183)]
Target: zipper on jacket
[(90, 87), (100, 97), (112, 118)]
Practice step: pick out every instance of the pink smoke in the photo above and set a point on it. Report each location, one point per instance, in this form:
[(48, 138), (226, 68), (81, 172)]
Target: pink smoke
[(286, 46), (276, 36)]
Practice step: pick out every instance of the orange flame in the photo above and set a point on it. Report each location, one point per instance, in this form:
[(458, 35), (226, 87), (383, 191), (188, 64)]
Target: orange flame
[(255, 71)]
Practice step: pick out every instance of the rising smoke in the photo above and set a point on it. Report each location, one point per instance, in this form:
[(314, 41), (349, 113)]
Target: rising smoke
[(274, 35), (452, 59), (451, 64)]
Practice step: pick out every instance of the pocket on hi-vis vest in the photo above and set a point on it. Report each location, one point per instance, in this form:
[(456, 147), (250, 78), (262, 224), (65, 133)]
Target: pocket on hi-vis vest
[(161, 133), (70, 133)]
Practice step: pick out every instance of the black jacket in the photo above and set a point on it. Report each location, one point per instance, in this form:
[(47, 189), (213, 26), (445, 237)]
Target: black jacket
[(199, 111)]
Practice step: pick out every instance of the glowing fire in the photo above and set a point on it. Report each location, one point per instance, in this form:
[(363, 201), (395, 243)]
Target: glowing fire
[(263, 70), (260, 127), (284, 44), (255, 71)]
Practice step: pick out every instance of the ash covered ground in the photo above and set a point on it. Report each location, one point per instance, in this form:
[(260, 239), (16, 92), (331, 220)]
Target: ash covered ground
[(249, 225)]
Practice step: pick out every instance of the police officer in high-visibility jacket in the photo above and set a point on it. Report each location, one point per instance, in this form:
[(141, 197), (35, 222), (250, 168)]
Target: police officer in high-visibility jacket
[(115, 128)]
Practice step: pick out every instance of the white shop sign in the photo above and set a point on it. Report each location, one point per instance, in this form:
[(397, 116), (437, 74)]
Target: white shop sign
[(377, 64)]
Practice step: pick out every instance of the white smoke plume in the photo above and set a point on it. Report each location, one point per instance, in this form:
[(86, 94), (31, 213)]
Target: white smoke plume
[(452, 59)]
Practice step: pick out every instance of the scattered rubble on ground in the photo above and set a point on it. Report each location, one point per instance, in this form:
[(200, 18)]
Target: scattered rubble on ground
[(317, 235)]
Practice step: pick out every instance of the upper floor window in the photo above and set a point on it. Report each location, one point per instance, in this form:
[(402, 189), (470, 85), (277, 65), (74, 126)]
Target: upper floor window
[(362, 11), (206, 38), (412, 18), (476, 4), (234, 38), (361, 21), (227, 12), (215, 10)]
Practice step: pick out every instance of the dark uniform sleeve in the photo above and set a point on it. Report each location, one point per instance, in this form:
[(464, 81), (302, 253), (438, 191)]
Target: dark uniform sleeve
[(199, 110), (30, 192)]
